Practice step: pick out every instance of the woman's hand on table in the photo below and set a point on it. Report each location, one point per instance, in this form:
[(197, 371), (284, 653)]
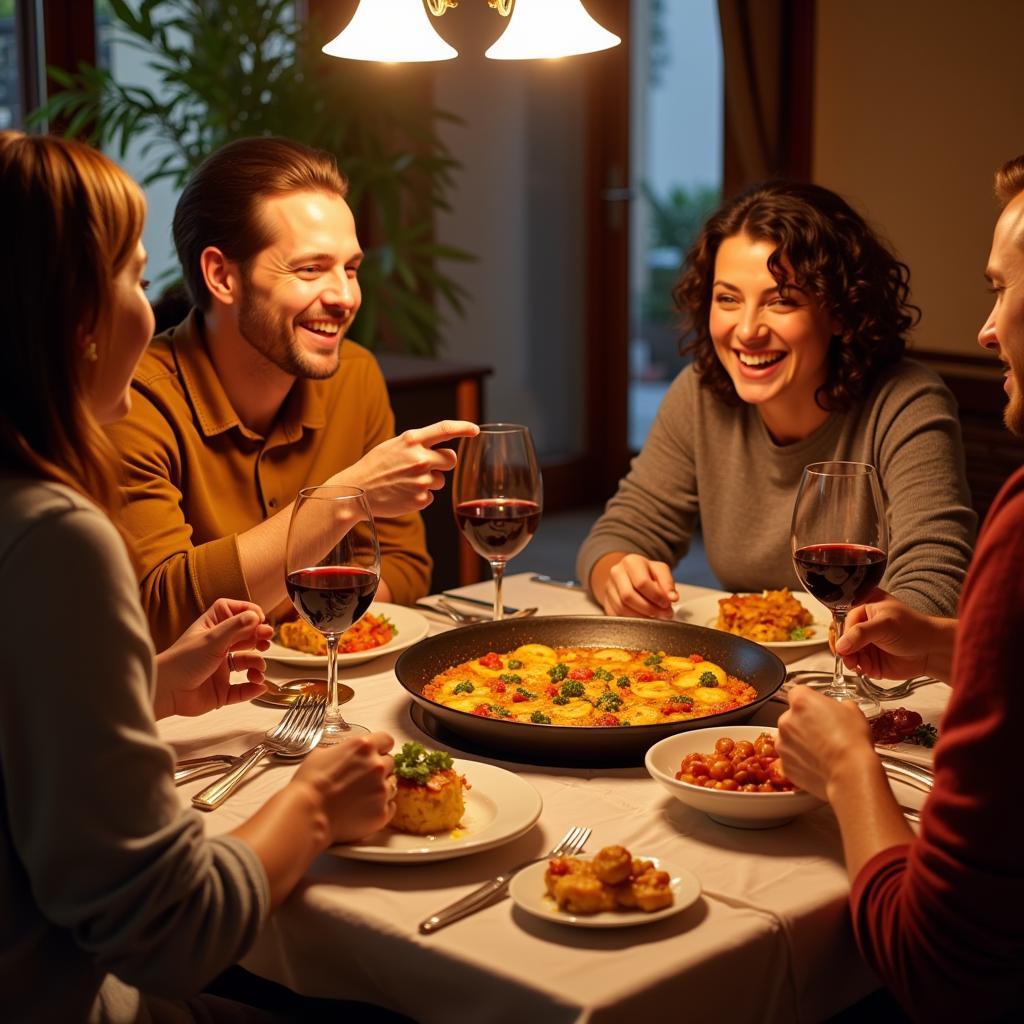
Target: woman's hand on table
[(885, 639), (356, 783), (338, 794), (633, 585), (193, 673)]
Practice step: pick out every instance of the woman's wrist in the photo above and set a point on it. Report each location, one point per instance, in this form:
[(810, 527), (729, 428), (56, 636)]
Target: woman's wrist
[(310, 801), (850, 770)]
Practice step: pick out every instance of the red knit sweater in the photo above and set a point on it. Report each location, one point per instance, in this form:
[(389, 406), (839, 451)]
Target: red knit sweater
[(942, 920)]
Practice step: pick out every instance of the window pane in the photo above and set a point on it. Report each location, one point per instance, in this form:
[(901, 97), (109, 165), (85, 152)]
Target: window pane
[(10, 84), (129, 65), (677, 159)]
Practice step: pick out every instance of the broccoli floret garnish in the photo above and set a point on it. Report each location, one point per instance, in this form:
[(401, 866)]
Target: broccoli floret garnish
[(622, 681), (525, 693), (926, 735), (608, 701), (603, 674), (464, 687), (799, 633), (708, 679), (515, 663), (558, 672), (654, 659), (511, 678), (559, 700), (680, 698), (539, 718), (414, 762), (572, 688)]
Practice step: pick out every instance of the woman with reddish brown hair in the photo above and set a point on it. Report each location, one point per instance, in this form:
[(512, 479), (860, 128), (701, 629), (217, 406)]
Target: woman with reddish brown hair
[(114, 900), (797, 314)]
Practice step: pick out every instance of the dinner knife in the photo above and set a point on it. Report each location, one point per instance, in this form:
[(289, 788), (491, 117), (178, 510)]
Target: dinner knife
[(552, 582), (911, 774), (477, 601)]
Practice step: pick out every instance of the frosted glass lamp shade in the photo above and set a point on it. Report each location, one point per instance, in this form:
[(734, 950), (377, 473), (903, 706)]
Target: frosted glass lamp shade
[(550, 28), (393, 31)]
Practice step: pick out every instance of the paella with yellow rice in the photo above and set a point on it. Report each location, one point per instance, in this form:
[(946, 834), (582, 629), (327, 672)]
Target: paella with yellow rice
[(588, 687)]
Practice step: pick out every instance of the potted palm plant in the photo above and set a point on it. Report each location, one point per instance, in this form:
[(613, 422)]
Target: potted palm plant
[(229, 69)]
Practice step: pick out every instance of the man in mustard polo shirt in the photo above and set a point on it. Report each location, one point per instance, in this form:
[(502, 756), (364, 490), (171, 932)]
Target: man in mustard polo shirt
[(257, 394)]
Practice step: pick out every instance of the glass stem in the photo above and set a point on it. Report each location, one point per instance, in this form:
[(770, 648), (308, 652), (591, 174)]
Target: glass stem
[(840, 688), (498, 569), (333, 716)]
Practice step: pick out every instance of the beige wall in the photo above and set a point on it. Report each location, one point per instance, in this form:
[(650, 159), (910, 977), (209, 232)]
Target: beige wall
[(517, 206), (916, 103)]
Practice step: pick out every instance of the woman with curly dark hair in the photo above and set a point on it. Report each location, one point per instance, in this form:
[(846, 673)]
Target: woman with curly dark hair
[(798, 314)]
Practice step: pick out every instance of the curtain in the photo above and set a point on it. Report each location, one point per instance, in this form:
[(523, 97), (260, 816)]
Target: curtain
[(768, 59)]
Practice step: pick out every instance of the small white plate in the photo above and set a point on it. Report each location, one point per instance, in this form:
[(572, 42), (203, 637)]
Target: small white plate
[(410, 627), (500, 807), (703, 611), (529, 893)]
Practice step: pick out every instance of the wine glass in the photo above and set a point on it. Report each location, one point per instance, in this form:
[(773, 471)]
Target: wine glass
[(496, 495), (840, 546), (332, 568)]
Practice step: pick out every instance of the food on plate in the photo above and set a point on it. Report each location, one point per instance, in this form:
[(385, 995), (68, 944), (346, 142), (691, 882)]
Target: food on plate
[(737, 765), (775, 616), (901, 725), (369, 632), (429, 795), (588, 686), (612, 880)]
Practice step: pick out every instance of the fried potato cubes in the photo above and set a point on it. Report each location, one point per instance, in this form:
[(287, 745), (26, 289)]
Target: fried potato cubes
[(612, 880)]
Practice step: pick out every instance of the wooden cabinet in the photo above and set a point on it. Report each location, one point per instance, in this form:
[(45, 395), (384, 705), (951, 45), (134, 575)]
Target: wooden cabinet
[(423, 391)]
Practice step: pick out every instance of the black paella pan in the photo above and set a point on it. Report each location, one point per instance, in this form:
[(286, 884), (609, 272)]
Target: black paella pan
[(575, 745)]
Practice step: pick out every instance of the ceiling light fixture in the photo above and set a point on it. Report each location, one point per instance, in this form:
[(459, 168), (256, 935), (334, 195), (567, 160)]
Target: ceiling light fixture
[(398, 31)]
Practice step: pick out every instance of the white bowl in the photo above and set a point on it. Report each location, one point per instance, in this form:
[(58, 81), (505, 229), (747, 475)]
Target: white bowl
[(740, 810)]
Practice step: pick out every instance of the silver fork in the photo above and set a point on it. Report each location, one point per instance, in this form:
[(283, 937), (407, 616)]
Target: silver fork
[(870, 686), (897, 691), (294, 736), (571, 843)]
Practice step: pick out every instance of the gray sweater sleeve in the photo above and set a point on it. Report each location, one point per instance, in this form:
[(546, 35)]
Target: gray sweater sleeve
[(654, 510), (914, 437), (92, 814)]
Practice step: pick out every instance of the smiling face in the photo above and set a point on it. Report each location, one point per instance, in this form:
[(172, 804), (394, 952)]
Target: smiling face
[(1003, 331), (772, 342), (301, 293), (121, 339)]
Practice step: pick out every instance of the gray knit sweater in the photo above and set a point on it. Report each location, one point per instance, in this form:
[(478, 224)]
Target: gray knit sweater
[(101, 870), (706, 458)]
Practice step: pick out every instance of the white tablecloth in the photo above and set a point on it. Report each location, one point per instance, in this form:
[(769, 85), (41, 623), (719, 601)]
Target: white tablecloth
[(769, 940)]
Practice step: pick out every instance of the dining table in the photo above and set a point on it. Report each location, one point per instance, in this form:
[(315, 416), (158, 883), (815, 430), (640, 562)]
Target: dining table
[(768, 940)]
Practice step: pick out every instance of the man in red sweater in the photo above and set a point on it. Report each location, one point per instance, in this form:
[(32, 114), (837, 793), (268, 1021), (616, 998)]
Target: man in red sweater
[(940, 916)]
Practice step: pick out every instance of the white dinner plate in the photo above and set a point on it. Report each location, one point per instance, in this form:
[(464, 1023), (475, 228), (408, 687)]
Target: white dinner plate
[(500, 807), (703, 611), (410, 627), (528, 892)]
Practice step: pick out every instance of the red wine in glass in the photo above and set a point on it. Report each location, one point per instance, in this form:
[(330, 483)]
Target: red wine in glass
[(839, 540), (498, 528), (839, 575), (330, 597), (331, 570), (497, 495)]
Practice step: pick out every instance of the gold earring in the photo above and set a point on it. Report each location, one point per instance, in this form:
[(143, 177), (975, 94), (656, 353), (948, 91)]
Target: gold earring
[(91, 354)]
